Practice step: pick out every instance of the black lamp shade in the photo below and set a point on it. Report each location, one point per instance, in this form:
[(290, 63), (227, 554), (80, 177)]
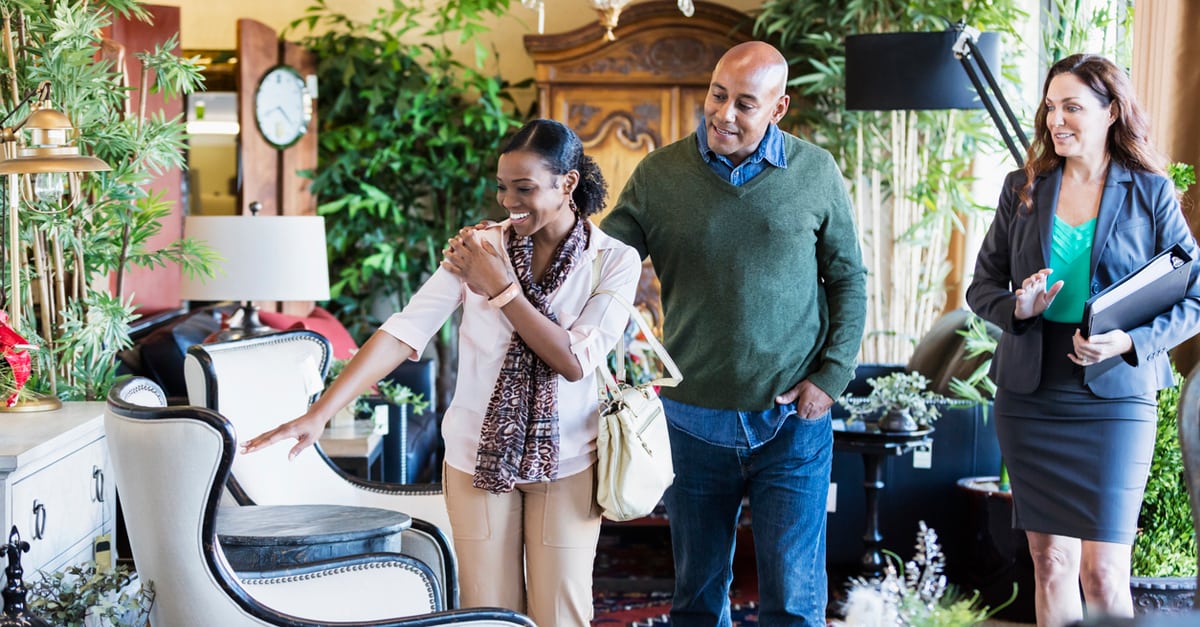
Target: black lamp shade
[(887, 71)]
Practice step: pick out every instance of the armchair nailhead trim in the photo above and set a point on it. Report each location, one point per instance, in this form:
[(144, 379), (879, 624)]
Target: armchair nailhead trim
[(320, 574)]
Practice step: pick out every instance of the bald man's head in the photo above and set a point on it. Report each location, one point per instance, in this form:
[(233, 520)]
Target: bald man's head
[(747, 94), (757, 58)]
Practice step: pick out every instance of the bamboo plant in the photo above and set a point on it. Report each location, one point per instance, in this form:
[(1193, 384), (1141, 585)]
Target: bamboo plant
[(76, 250)]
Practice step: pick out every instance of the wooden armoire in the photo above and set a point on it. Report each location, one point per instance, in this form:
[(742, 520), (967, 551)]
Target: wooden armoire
[(644, 90)]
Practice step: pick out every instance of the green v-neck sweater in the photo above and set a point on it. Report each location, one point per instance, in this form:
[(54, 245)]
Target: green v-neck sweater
[(763, 285)]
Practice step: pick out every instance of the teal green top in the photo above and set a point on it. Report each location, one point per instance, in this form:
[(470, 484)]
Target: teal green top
[(763, 284), (1070, 259)]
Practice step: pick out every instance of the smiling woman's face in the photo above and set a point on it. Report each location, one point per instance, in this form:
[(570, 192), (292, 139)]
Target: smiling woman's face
[(531, 194), (1077, 118)]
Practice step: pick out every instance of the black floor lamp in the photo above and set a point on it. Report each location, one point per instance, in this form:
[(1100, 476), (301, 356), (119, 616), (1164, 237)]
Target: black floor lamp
[(931, 70)]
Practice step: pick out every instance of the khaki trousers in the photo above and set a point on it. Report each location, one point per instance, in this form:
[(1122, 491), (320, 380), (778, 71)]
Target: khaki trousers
[(530, 550)]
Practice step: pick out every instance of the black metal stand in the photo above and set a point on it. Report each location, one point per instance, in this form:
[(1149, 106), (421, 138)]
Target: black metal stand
[(966, 51), (876, 446)]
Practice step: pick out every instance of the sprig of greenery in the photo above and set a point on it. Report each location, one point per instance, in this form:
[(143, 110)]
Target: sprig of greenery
[(395, 393), (69, 596), (978, 386), (398, 394), (1182, 174)]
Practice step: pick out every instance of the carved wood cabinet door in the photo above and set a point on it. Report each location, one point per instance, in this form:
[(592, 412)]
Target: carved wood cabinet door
[(644, 90)]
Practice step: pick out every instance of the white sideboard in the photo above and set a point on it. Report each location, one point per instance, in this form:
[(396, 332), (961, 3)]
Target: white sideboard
[(56, 484)]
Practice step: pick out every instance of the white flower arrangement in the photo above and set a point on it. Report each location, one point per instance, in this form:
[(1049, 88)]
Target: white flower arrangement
[(916, 595)]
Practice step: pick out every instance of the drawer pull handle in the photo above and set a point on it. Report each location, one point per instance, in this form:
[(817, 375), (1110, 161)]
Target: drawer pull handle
[(98, 483), (39, 520)]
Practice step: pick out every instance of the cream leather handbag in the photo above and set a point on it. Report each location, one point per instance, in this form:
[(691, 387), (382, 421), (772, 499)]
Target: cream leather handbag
[(634, 466)]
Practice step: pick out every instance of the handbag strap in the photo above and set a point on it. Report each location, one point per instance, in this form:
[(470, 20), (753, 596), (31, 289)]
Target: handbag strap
[(655, 345), (597, 264), (659, 351)]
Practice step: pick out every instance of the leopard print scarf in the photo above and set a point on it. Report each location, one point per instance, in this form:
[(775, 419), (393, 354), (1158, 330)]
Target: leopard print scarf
[(519, 439)]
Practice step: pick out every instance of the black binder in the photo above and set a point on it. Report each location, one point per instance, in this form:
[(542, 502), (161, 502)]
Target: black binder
[(1136, 299)]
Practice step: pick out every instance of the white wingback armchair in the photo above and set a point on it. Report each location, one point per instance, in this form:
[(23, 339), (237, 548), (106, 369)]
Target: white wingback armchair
[(258, 383), (171, 464)]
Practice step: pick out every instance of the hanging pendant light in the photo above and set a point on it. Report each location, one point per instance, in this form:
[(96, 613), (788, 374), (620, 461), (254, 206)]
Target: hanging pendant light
[(609, 11)]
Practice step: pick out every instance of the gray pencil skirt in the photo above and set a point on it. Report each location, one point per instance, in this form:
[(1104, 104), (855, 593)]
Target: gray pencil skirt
[(1078, 463)]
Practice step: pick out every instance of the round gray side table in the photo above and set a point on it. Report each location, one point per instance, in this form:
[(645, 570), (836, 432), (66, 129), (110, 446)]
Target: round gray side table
[(267, 537)]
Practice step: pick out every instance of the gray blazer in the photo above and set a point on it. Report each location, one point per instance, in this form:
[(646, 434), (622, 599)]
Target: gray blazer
[(1139, 217)]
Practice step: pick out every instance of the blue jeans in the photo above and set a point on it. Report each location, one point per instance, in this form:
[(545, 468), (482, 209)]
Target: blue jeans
[(787, 481)]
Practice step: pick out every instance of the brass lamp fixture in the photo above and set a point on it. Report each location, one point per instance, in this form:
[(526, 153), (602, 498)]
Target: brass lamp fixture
[(609, 11), (49, 157)]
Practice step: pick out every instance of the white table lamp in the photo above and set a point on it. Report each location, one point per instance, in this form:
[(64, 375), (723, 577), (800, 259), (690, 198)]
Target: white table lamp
[(264, 258)]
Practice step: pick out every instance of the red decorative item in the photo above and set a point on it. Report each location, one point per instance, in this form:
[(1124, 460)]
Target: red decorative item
[(15, 351)]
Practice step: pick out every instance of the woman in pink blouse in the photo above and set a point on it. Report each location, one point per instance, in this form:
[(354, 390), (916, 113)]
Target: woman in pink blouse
[(521, 431)]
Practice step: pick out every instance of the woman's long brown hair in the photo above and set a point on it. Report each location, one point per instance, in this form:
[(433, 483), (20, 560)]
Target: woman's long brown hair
[(1128, 138)]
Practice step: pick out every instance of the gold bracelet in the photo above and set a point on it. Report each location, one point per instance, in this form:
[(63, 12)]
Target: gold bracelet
[(506, 296)]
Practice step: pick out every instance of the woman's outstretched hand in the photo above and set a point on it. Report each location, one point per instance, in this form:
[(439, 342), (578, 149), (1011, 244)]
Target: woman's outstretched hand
[(1033, 297), (305, 429)]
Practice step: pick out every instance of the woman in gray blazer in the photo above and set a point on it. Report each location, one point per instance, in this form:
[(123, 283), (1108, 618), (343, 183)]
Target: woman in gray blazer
[(1091, 205)]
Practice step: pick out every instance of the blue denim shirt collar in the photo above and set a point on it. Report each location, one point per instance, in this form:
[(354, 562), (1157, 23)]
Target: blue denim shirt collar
[(770, 152)]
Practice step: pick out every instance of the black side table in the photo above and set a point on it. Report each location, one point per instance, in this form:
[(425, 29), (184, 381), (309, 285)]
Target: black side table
[(876, 446), (268, 537)]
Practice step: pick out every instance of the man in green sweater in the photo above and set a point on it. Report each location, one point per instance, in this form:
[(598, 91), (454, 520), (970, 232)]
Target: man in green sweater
[(764, 295)]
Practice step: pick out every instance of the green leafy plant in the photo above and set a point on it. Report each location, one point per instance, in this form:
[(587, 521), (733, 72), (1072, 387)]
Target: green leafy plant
[(408, 143), (978, 386), (69, 250), (897, 391), (1165, 545), (916, 594), (85, 592), (1182, 174)]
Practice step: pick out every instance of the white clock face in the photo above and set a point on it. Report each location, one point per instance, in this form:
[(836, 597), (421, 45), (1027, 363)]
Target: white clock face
[(282, 106)]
